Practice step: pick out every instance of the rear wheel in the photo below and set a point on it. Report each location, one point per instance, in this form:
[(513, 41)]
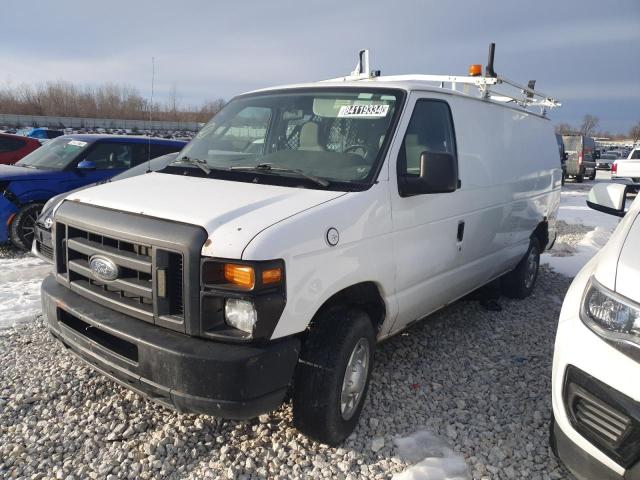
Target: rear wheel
[(520, 281), (579, 178), (593, 176), (23, 227), (332, 376)]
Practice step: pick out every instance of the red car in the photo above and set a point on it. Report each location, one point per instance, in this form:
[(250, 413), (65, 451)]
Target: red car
[(14, 147)]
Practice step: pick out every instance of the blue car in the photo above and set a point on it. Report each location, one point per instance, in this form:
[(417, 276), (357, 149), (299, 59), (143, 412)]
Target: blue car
[(66, 163), (41, 134)]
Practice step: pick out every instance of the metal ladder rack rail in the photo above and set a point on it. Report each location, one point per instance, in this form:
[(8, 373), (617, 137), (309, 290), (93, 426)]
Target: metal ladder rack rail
[(487, 85)]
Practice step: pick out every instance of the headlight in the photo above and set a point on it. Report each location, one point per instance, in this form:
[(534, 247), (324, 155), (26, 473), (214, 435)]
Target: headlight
[(610, 315), (241, 300), (240, 314)]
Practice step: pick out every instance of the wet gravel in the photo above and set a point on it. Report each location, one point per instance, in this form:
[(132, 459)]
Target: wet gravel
[(478, 379)]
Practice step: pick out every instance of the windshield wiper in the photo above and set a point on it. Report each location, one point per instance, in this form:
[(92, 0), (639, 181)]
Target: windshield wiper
[(201, 164), (270, 167)]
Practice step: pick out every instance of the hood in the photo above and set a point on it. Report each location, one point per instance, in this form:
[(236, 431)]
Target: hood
[(11, 172), (232, 213), (628, 271)]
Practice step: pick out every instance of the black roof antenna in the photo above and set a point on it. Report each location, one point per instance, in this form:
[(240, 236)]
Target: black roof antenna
[(153, 77), (489, 71)]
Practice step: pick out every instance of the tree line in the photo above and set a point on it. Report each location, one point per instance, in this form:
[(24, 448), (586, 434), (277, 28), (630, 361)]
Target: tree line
[(589, 127), (65, 99)]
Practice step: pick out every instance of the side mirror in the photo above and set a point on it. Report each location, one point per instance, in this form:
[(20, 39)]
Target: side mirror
[(608, 198), (86, 165), (438, 174)]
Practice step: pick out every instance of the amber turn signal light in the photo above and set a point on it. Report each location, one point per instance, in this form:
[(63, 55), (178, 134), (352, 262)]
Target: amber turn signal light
[(240, 275), (475, 70), (273, 275)]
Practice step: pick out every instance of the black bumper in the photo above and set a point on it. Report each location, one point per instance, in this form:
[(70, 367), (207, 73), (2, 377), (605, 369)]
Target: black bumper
[(582, 465), (174, 369)]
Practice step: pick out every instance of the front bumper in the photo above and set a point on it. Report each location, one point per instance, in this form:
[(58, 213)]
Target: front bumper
[(179, 371), (605, 380), (6, 210)]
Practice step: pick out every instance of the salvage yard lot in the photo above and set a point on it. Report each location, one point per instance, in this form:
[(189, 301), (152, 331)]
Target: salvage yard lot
[(478, 380)]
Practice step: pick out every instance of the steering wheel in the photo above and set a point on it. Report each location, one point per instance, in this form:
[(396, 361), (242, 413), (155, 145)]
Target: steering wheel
[(363, 148)]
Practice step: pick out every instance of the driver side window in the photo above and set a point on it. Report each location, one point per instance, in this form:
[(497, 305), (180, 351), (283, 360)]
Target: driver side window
[(246, 132), (108, 156), (430, 130)]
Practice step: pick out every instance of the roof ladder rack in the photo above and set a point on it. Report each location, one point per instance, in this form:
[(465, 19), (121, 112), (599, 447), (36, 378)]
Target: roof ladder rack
[(491, 86)]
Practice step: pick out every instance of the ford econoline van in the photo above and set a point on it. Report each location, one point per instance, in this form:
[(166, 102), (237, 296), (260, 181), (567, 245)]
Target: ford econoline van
[(302, 225)]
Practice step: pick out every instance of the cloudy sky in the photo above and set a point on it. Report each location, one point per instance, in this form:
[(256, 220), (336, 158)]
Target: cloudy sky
[(585, 52)]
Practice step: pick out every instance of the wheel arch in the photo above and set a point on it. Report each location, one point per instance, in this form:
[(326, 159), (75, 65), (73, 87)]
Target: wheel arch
[(541, 232), (365, 295)]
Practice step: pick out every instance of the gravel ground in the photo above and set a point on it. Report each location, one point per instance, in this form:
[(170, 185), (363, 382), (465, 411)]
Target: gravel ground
[(478, 379)]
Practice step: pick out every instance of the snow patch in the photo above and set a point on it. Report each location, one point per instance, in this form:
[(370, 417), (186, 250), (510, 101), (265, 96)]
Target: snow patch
[(20, 280), (570, 263), (433, 457)]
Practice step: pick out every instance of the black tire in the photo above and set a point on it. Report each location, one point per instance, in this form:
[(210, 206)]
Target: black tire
[(579, 178), (519, 283), (23, 227), (319, 377), (593, 177), (563, 177)]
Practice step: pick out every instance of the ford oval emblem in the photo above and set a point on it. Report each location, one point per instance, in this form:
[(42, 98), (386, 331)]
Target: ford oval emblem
[(103, 268)]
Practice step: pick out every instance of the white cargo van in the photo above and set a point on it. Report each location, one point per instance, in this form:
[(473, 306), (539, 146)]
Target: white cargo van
[(302, 225)]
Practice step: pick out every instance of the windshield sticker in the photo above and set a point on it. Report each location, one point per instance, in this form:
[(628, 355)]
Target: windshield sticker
[(77, 143), (377, 111)]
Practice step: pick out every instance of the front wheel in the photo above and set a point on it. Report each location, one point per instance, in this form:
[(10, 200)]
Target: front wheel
[(332, 376), (520, 281), (23, 227), (579, 178)]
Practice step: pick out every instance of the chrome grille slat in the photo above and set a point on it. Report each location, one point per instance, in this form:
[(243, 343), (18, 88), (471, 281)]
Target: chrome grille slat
[(113, 300), (134, 286), (120, 257), (606, 423)]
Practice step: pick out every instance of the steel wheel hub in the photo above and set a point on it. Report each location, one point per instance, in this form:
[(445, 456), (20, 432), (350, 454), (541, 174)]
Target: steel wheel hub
[(355, 378)]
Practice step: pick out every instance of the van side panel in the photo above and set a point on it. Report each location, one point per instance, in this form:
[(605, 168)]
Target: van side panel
[(511, 175), (315, 270)]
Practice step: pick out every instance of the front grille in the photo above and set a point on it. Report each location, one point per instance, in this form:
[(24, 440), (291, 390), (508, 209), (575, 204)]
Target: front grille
[(604, 416), (45, 250), (601, 419), (133, 292)]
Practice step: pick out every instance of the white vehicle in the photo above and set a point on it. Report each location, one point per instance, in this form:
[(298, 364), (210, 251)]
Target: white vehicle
[(629, 167), (300, 226), (596, 393)]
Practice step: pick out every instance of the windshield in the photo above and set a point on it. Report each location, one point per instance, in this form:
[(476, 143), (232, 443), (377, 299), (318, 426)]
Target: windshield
[(56, 154), (331, 134)]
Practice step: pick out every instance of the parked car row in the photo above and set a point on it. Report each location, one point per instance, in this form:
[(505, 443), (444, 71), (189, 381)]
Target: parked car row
[(62, 164), (45, 134)]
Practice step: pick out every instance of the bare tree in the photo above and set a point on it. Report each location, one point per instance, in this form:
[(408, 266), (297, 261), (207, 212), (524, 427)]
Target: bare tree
[(65, 99), (589, 124), (634, 133), (564, 129)]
